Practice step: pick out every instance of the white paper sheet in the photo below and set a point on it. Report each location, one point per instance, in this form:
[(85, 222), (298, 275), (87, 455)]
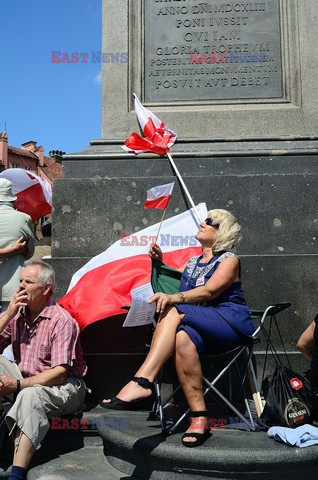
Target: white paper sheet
[(141, 312)]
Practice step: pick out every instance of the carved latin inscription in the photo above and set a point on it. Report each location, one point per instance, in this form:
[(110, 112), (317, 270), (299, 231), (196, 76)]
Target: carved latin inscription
[(213, 50)]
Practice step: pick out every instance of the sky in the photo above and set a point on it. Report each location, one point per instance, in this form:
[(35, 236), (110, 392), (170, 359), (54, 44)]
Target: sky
[(58, 105)]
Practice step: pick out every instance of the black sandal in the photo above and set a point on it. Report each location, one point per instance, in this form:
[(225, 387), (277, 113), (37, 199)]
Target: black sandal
[(200, 437), (117, 404)]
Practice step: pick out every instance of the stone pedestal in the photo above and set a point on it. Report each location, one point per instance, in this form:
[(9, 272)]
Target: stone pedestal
[(253, 153)]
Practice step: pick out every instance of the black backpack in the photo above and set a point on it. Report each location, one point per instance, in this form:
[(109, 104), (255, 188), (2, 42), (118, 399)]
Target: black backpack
[(289, 398)]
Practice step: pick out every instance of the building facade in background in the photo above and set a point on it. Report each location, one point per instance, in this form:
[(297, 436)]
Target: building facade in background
[(29, 156)]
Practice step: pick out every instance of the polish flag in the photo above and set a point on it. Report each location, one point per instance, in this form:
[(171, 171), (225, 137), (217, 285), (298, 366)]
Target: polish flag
[(159, 197), (34, 194), (158, 138), (100, 288)]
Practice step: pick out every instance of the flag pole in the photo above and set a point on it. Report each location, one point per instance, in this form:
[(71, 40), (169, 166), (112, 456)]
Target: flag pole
[(184, 186), (163, 216)]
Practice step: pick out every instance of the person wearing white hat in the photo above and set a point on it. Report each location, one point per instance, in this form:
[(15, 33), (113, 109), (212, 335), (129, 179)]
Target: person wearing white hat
[(16, 242)]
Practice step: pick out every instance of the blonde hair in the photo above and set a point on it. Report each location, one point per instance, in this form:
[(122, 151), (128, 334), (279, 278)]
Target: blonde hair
[(228, 234)]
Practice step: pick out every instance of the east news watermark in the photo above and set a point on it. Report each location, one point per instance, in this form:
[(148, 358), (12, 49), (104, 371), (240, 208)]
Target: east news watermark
[(164, 240), (58, 56), (98, 423), (93, 423), (195, 57), (231, 57)]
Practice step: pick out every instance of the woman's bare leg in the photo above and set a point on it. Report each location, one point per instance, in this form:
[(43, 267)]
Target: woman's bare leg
[(189, 372), (162, 347)]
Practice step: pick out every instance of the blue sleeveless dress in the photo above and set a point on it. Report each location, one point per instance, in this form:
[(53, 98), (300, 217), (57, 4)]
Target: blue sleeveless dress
[(221, 324)]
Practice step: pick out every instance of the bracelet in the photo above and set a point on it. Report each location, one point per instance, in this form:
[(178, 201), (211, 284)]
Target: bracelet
[(181, 297), (18, 386)]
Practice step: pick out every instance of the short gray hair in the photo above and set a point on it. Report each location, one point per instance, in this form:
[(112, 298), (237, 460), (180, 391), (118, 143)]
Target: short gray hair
[(47, 275)]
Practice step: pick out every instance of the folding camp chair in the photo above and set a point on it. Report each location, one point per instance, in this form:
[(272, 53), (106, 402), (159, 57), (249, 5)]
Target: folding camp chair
[(167, 280)]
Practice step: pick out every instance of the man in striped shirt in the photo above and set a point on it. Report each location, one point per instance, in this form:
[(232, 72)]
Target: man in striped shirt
[(46, 378)]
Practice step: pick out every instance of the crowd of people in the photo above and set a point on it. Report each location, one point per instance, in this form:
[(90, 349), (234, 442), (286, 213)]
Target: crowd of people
[(207, 315)]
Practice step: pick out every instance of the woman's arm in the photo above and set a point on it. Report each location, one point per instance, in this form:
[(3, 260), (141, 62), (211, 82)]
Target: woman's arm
[(226, 274), (306, 341)]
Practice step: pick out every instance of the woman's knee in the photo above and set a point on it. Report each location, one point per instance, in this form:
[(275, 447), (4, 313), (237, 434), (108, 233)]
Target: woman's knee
[(184, 344), (171, 311), (171, 316)]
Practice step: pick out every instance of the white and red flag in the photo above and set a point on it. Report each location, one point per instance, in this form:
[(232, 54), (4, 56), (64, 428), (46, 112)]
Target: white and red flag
[(34, 194), (159, 197), (158, 138), (100, 288)]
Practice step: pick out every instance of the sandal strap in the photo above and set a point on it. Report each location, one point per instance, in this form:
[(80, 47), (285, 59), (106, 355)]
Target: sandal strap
[(202, 413), (143, 382), (194, 435)]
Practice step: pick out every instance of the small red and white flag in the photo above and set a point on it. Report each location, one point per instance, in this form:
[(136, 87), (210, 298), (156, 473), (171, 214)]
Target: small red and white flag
[(158, 138), (101, 287), (159, 197), (34, 194)]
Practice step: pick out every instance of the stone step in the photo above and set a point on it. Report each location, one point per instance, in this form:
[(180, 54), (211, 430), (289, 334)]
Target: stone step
[(229, 454), (220, 166), (114, 445), (73, 453), (75, 461)]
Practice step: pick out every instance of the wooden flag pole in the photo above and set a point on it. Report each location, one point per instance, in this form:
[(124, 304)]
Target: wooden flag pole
[(163, 216), (184, 187)]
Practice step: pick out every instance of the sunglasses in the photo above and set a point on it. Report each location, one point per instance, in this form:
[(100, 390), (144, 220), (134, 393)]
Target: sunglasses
[(212, 223)]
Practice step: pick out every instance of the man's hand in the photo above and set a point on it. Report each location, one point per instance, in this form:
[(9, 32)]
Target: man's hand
[(7, 385), (19, 247), (17, 302)]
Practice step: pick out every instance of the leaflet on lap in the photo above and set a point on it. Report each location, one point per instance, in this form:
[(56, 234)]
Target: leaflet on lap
[(141, 312)]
